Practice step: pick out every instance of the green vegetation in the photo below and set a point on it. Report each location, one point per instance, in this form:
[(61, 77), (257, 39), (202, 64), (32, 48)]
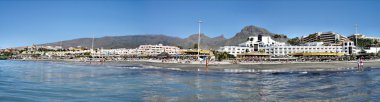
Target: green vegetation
[(180, 47), (376, 43), (195, 46), (279, 36), (223, 55), (312, 36), (364, 42), (261, 51), (5, 55), (44, 49), (87, 53), (295, 41)]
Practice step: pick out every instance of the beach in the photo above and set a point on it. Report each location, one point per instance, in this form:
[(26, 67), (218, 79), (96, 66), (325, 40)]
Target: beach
[(277, 67), (241, 67)]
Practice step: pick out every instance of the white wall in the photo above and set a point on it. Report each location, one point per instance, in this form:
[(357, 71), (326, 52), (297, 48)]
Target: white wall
[(373, 50)]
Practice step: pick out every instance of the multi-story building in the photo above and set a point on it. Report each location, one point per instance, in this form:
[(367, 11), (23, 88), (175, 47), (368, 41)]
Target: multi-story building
[(275, 48), (235, 50), (347, 48), (260, 41), (118, 52), (37, 47), (361, 36), (326, 37), (253, 43), (153, 50)]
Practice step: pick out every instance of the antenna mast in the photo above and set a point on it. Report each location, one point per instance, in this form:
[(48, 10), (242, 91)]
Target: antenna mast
[(356, 28), (356, 34), (199, 35), (92, 44)]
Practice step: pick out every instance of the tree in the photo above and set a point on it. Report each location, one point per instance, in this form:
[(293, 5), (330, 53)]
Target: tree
[(336, 41), (5, 55), (262, 51), (313, 36), (223, 55), (294, 41), (180, 47), (195, 46), (376, 42), (277, 36), (364, 42), (87, 53)]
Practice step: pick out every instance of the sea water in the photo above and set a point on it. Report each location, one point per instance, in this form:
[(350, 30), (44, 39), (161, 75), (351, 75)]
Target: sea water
[(64, 81)]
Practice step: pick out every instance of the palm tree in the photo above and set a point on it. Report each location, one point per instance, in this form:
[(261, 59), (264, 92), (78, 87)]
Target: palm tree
[(336, 49), (376, 42)]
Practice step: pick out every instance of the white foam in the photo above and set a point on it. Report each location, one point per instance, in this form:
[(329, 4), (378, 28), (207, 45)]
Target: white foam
[(174, 68), (239, 70)]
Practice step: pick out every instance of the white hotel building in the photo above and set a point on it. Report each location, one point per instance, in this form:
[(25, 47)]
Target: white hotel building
[(266, 44), (118, 52), (153, 50), (142, 50)]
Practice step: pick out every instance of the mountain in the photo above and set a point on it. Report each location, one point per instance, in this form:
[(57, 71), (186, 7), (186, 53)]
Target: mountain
[(253, 31), (133, 41), (206, 42), (130, 41)]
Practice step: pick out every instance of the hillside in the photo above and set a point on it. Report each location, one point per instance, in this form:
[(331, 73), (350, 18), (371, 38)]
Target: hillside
[(253, 31), (133, 41)]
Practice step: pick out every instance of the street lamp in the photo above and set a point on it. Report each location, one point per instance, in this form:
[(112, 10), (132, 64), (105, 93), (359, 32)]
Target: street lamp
[(199, 35)]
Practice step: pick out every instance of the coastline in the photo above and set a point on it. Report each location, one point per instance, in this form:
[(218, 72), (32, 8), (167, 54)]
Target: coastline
[(267, 67), (244, 67)]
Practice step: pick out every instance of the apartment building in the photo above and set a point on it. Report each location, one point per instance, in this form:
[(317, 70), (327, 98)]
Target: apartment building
[(153, 50), (326, 37), (118, 52), (275, 48)]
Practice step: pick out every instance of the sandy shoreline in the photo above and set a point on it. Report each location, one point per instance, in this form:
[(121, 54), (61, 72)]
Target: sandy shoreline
[(247, 67), (268, 67)]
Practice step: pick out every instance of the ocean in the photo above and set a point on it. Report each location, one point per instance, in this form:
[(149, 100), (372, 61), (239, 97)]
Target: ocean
[(35, 81)]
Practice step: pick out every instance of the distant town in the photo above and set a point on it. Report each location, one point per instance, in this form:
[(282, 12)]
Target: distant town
[(319, 46)]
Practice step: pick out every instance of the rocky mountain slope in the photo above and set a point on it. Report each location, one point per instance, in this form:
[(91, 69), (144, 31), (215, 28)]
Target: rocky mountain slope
[(133, 41)]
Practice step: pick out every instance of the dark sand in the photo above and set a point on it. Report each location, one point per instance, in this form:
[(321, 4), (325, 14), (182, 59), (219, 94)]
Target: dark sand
[(250, 67), (269, 67)]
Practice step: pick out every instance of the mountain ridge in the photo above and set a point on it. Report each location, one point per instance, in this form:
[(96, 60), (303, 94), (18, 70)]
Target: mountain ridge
[(133, 41)]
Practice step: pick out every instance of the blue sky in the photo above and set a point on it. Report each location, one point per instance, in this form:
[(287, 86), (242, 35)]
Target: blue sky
[(26, 22)]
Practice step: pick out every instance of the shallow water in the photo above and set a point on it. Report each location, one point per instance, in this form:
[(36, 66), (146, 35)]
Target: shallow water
[(55, 81)]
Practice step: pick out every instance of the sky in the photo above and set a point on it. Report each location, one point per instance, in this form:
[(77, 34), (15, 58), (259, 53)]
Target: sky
[(27, 22)]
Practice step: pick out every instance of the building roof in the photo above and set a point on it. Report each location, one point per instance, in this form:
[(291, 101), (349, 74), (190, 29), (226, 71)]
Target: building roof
[(254, 54), (317, 54), (196, 51)]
